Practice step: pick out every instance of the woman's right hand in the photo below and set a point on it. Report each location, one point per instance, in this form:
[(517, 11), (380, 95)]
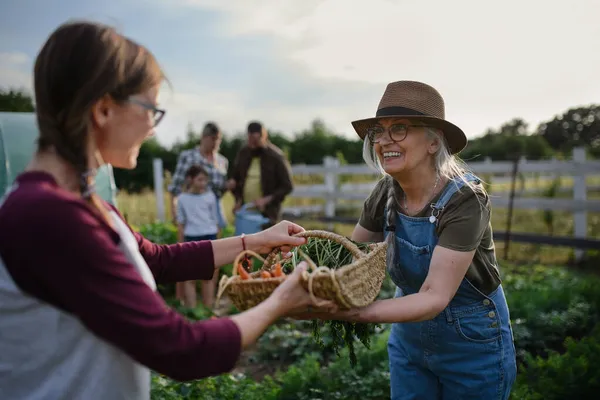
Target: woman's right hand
[(292, 298)]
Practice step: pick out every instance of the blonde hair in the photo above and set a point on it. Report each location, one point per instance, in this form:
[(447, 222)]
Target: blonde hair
[(447, 165)]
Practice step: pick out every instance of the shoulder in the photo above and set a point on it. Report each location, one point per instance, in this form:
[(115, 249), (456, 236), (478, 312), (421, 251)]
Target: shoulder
[(242, 153), (222, 159), (186, 198), (46, 213), (186, 154), (183, 197), (275, 151), (244, 150), (210, 197), (467, 196), (465, 220), (468, 206)]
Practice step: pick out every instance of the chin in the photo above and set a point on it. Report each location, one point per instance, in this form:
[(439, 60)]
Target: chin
[(131, 164), (393, 168), (124, 164), (393, 171)]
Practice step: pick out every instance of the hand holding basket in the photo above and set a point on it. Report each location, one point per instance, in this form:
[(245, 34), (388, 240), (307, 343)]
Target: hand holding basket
[(356, 284)]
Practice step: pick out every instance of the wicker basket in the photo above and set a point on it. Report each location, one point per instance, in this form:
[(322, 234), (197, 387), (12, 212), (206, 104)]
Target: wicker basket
[(353, 285)]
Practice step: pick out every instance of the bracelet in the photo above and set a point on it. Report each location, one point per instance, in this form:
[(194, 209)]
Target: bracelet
[(243, 242)]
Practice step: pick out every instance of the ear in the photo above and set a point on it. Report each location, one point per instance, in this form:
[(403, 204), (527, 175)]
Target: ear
[(102, 111), (434, 145)]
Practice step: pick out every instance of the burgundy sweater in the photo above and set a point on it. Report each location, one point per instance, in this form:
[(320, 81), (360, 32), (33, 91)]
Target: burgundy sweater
[(57, 250)]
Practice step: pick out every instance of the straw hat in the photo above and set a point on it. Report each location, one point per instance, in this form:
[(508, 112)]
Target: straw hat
[(415, 101)]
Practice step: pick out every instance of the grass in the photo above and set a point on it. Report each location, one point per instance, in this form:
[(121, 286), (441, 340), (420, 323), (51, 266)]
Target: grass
[(141, 209)]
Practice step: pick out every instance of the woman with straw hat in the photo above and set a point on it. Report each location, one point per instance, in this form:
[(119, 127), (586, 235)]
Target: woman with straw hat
[(451, 336)]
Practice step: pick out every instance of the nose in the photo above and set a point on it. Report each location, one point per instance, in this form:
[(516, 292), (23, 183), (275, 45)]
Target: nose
[(385, 139)]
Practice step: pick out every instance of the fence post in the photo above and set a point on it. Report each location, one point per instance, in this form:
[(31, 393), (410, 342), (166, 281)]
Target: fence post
[(579, 193), (522, 178), (331, 186), (515, 170), (157, 167)]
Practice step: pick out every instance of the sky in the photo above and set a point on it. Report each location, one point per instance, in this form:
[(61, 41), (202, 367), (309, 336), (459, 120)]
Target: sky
[(287, 62)]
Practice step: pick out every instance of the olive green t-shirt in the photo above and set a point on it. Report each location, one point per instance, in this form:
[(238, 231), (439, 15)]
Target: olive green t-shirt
[(463, 225)]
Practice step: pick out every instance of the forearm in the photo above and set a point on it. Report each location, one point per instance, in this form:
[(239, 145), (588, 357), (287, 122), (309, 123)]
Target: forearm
[(180, 235), (226, 250), (192, 260), (173, 205), (416, 307), (254, 322), (363, 235), (284, 188)]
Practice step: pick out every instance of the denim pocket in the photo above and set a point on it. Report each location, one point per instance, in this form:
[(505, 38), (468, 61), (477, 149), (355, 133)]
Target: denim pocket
[(482, 325), (412, 264)]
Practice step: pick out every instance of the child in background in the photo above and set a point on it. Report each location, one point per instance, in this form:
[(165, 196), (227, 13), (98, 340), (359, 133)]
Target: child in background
[(199, 217)]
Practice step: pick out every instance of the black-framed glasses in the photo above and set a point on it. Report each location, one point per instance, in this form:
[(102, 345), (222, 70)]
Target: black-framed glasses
[(396, 132), (157, 113)]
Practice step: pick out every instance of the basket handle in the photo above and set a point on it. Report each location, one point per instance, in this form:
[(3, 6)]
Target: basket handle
[(344, 241), (242, 255)]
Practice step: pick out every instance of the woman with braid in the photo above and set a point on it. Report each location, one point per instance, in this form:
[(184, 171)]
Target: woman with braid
[(451, 336), (80, 317)]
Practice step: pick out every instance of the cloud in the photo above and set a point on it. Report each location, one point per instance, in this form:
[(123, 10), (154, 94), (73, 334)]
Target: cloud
[(14, 70), (280, 17), (491, 62), (287, 62), (233, 109)]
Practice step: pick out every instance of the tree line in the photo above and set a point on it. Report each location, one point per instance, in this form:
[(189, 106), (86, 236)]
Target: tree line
[(578, 126)]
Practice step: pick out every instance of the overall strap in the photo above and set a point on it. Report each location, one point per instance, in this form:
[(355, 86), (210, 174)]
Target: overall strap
[(454, 186)]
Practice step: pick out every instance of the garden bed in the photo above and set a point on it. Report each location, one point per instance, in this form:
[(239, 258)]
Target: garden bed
[(555, 313)]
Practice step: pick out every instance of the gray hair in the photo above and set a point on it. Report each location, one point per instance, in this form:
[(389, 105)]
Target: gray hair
[(447, 166)]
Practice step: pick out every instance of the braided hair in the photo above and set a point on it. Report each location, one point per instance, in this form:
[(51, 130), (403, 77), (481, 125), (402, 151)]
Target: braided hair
[(392, 207), (79, 64)]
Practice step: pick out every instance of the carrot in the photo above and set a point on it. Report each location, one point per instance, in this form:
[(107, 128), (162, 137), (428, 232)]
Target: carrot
[(278, 271), (243, 273), (265, 274)]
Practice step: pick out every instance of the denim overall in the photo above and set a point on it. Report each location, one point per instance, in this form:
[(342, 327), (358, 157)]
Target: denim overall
[(467, 351)]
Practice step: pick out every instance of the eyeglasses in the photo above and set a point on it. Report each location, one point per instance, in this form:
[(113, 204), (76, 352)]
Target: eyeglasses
[(396, 132), (157, 113)]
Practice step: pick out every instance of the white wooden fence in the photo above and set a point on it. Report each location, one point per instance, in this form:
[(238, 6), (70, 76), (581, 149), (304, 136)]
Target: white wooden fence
[(332, 191)]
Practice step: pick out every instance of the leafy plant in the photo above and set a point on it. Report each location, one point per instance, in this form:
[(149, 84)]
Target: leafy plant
[(324, 252), (159, 232), (289, 342), (549, 304), (572, 375)]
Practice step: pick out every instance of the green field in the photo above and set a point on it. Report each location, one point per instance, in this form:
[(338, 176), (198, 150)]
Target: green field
[(140, 209)]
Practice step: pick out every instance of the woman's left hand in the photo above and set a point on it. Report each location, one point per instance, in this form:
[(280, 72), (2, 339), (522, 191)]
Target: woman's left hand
[(280, 235)]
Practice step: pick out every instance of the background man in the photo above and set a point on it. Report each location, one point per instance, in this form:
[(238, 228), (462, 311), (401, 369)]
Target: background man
[(261, 174)]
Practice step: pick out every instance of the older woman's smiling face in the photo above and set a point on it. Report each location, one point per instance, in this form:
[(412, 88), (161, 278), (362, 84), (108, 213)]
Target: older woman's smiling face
[(402, 145)]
